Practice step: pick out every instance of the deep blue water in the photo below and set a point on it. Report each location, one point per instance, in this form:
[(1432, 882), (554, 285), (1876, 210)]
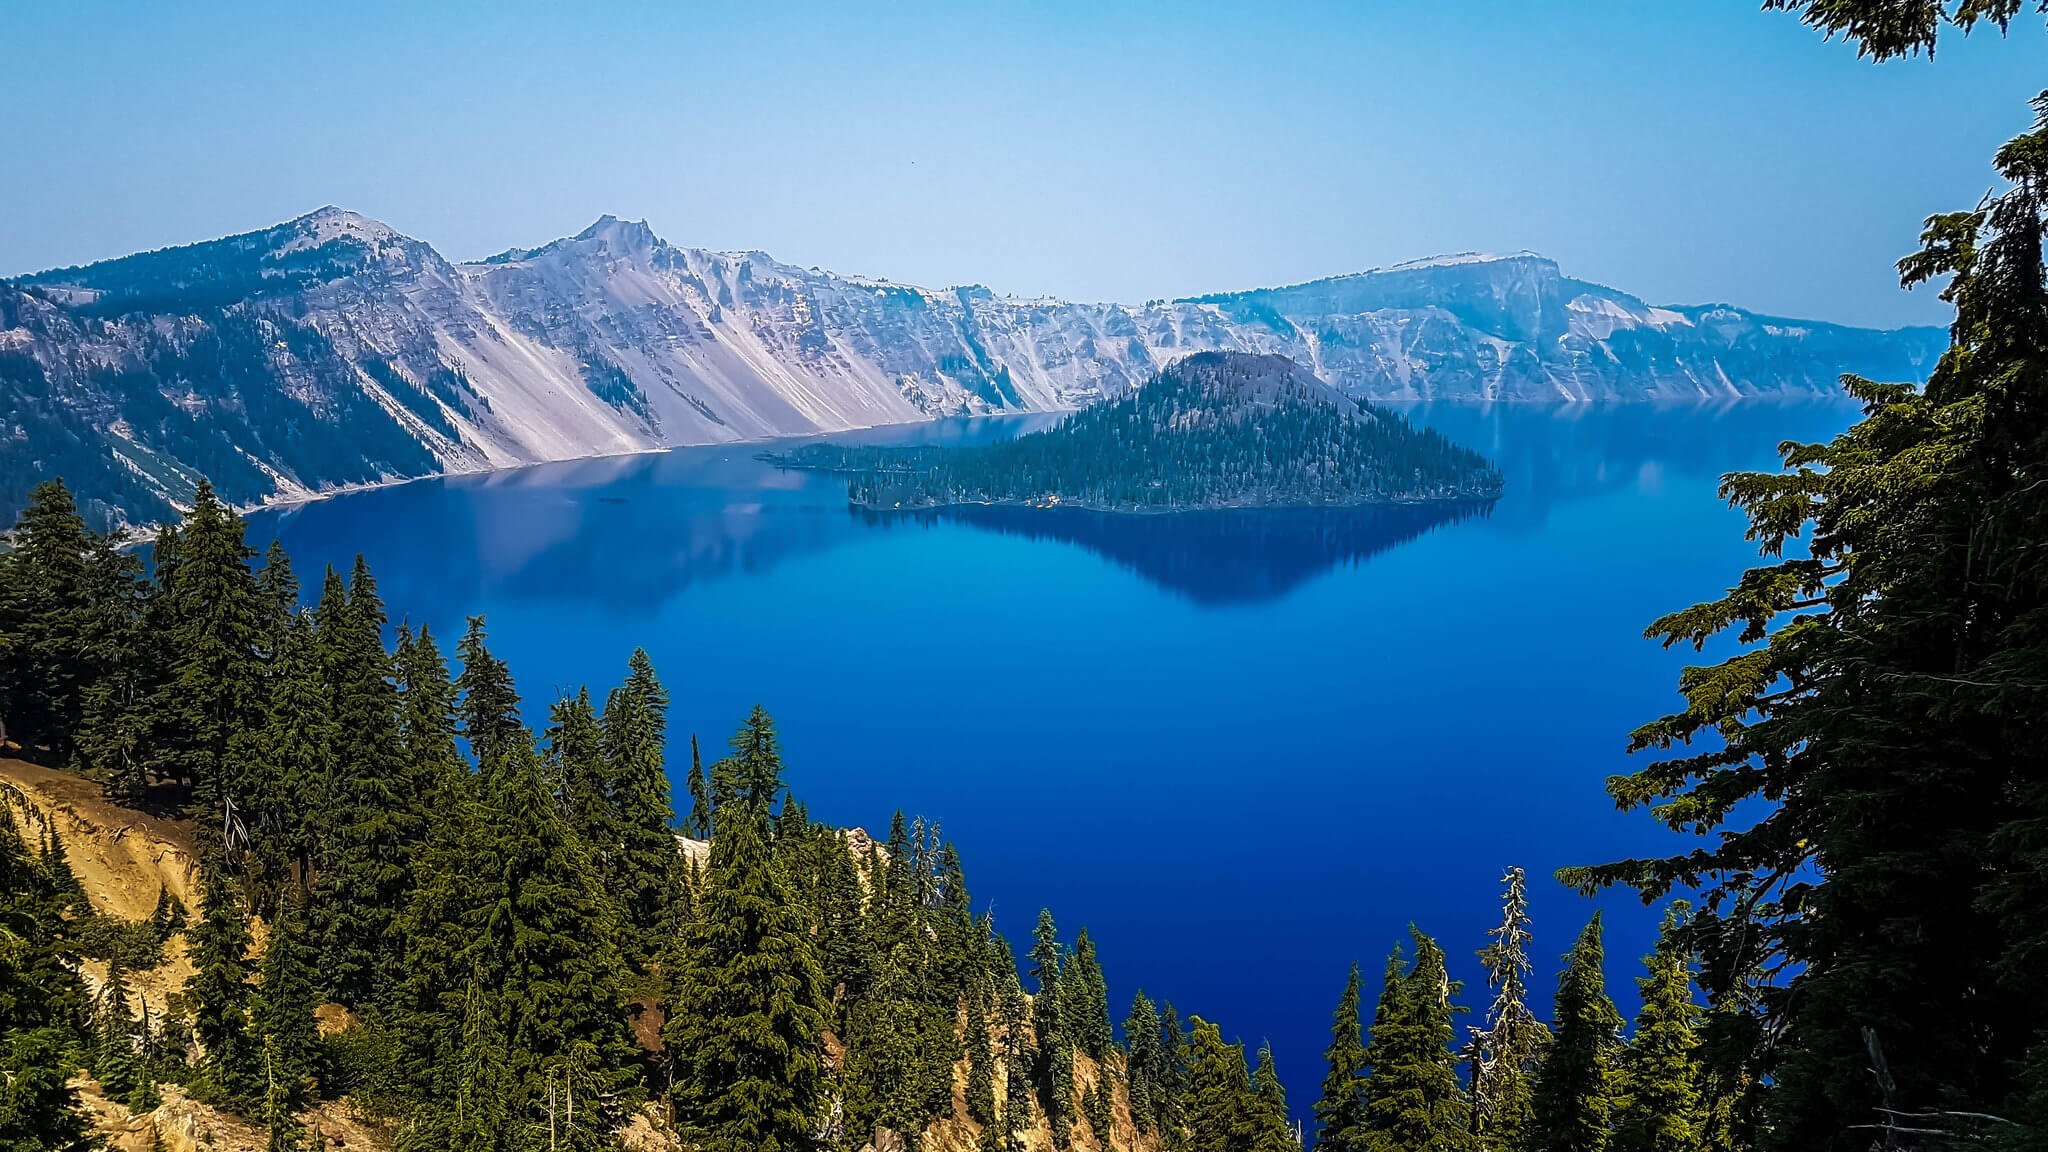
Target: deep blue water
[(1244, 749)]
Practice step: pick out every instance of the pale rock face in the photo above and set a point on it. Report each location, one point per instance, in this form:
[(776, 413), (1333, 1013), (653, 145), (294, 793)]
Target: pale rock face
[(382, 360)]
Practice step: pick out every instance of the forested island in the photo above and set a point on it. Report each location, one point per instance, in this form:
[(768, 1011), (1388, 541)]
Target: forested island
[(1213, 430)]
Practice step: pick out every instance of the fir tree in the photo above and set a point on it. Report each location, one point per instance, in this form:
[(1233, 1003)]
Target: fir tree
[(1219, 1101), (44, 610), (1340, 1114), (282, 1017), (749, 1007), (490, 706), (212, 623), (114, 1062), (1095, 1108), (1657, 1099), (576, 771), (1142, 1068), (1049, 1017), (124, 663), (635, 742), (699, 825), (42, 1001), (284, 1132), (1171, 1082), (1508, 1047), (1573, 1098), (1415, 1102), (549, 940), (981, 1072), (1015, 1011), (374, 825), (1270, 1129), (1090, 1003), (219, 993), (297, 755)]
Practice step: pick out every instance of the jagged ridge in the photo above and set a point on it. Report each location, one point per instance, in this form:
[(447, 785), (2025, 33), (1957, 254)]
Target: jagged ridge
[(333, 351)]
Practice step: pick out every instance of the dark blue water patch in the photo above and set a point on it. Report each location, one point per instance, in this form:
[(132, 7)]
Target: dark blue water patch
[(1244, 756)]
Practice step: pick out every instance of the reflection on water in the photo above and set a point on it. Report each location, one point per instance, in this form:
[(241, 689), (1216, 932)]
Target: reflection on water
[(1222, 556), (1101, 705), (631, 532)]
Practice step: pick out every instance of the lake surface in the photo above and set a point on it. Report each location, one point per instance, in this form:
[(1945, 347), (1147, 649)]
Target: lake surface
[(1244, 749)]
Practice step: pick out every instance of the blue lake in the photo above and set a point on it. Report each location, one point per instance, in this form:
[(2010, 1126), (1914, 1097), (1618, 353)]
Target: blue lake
[(1244, 749)]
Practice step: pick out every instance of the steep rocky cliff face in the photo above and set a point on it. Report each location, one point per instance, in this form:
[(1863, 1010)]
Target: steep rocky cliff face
[(332, 351)]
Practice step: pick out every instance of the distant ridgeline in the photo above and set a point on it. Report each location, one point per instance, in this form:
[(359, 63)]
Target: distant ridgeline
[(1214, 430)]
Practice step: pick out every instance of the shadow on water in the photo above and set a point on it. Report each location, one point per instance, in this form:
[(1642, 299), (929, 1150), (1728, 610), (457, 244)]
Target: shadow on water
[(1220, 557)]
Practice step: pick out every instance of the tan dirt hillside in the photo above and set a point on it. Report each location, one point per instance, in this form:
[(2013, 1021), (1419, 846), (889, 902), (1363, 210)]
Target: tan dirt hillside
[(124, 859)]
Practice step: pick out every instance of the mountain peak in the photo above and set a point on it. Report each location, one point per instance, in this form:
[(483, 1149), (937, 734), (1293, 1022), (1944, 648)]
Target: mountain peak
[(621, 235), (329, 222), (1453, 259)]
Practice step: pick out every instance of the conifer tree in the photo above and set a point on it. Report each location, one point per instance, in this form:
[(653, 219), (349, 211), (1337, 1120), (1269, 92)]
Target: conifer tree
[(124, 663), (434, 770), (150, 1064), (1049, 1017), (1508, 1047), (1170, 1084), (212, 624), (44, 611), (550, 939), (443, 928), (635, 744), (490, 706), (699, 825), (1095, 1108), (475, 1115), (901, 1041), (1092, 1029), (1573, 1098), (284, 1131), (375, 826), (277, 589), (1219, 1100), (296, 756), (282, 1017), (219, 993), (1015, 1010), (41, 1001), (1270, 1129), (114, 1062), (1415, 1101), (749, 1008), (1657, 1099), (981, 1078), (1141, 1037), (1340, 1114), (576, 773)]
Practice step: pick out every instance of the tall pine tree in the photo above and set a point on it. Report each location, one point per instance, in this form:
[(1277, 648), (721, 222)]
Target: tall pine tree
[(1573, 1099), (749, 1008), (1507, 1048), (1658, 1101), (1340, 1114)]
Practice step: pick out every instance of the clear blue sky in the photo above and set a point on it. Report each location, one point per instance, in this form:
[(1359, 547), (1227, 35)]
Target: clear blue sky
[(1686, 152)]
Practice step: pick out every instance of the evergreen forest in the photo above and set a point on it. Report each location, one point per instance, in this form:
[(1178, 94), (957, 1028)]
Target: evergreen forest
[(487, 922)]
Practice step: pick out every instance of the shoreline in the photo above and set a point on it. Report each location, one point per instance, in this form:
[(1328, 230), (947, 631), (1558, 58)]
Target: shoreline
[(144, 533), (1176, 510)]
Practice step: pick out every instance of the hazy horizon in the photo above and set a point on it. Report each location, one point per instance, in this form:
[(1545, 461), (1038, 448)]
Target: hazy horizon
[(1151, 152)]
